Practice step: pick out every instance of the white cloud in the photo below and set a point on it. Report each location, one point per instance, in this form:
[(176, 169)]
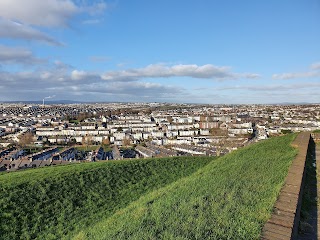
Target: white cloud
[(285, 76), (45, 75), (66, 83), (14, 30), (17, 55), (83, 75), (99, 59), (142, 89), (277, 88), (315, 65), (207, 71), (19, 19), (77, 75), (95, 8), (61, 65), (314, 72), (274, 93), (49, 13)]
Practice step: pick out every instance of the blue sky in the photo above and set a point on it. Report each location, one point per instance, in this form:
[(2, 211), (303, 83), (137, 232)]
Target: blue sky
[(206, 51)]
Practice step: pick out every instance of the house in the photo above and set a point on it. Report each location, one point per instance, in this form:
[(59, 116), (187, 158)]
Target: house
[(25, 163), (14, 164)]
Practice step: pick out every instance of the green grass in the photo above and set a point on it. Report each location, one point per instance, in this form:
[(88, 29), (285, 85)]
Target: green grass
[(230, 198), (55, 202)]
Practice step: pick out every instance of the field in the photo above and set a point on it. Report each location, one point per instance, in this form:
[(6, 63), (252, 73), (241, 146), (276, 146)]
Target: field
[(56, 202), (230, 198)]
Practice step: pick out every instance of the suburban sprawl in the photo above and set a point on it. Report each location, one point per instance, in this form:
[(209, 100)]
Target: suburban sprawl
[(39, 135)]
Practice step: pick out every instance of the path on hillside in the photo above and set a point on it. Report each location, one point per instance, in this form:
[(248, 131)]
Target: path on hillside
[(310, 229), (284, 221), (318, 182)]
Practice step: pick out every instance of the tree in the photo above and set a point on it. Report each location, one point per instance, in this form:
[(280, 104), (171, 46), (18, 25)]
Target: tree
[(106, 141), (25, 139), (218, 132), (87, 140), (286, 131), (147, 111), (170, 119), (126, 141)]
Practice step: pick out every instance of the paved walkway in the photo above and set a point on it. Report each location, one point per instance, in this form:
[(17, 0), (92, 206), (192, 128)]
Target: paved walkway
[(318, 187), (284, 221), (311, 228)]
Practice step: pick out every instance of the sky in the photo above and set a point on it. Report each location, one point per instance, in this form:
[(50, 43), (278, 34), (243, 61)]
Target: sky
[(181, 51)]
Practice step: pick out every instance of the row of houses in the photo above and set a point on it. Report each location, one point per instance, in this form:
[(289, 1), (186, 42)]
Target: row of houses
[(151, 150), (52, 156), (196, 150)]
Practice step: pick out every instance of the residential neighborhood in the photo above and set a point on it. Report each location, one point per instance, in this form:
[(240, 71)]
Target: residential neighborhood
[(42, 135)]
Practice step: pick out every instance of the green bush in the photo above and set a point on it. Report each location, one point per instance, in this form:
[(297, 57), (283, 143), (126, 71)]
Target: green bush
[(286, 131)]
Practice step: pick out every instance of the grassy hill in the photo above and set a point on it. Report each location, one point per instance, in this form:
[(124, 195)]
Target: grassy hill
[(55, 202), (230, 198)]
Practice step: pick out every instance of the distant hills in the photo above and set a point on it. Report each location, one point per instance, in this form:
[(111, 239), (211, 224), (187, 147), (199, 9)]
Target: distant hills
[(50, 102), (46, 102)]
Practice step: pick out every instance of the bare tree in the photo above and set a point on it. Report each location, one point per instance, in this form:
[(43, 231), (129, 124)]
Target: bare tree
[(87, 140), (106, 141), (25, 139), (170, 119), (218, 132), (126, 141)]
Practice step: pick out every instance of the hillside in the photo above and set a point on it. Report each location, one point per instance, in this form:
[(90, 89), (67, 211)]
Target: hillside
[(52, 202), (230, 198)]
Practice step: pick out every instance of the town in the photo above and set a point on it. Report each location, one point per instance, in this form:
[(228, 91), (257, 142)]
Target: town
[(42, 135)]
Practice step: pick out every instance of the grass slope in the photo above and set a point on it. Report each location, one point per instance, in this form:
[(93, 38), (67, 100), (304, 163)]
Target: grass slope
[(50, 203), (230, 198)]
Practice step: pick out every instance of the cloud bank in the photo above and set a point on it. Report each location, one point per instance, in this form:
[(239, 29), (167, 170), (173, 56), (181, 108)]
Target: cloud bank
[(18, 55), (27, 19), (207, 71), (313, 72), (49, 13), (63, 79), (67, 83), (14, 30)]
